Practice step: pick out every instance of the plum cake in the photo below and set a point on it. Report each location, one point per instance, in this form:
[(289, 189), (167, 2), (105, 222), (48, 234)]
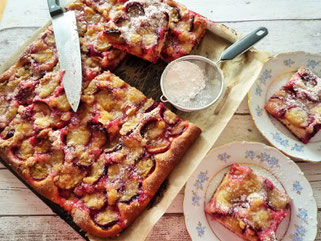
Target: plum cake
[(297, 105), (104, 163), (249, 205), (150, 29)]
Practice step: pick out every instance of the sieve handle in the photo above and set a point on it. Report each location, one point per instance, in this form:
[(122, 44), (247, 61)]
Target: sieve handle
[(244, 44), (163, 99)]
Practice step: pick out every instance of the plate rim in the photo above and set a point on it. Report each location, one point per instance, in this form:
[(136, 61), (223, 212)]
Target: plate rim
[(262, 146), (271, 142)]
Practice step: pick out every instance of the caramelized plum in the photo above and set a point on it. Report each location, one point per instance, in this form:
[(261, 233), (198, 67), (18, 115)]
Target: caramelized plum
[(95, 200), (297, 117), (130, 191), (25, 150), (84, 159), (309, 78), (56, 159), (276, 107), (153, 130), (192, 24), (158, 146), (42, 145), (174, 15), (129, 126), (84, 188), (132, 154), (114, 157), (134, 9), (96, 171), (178, 129), (107, 218), (144, 166), (79, 136), (98, 138), (113, 196), (39, 171), (112, 147), (25, 94), (114, 36), (170, 117), (7, 133), (69, 176)]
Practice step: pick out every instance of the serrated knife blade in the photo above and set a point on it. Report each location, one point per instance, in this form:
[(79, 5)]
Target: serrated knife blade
[(68, 47)]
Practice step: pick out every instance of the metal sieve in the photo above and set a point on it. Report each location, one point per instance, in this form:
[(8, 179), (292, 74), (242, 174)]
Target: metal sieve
[(213, 73)]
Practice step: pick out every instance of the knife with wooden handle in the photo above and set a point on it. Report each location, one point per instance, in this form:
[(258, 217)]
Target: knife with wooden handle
[(67, 43)]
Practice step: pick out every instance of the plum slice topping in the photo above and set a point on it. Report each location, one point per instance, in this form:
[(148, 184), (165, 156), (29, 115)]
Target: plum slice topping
[(178, 129), (134, 9), (174, 15), (39, 171), (95, 200), (107, 218), (145, 166), (158, 146), (130, 191)]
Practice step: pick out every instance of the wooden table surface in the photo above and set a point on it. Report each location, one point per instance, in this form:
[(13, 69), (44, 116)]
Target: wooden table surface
[(293, 25)]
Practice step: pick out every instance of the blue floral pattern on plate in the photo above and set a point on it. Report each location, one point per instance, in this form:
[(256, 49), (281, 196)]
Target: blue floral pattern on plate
[(297, 187), (312, 63), (297, 147), (279, 139), (259, 111), (200, 229), (303, 214), (288, 62), (265, 76), (250, 154), (299, 234), (284, 142), (195, 199), (258, 90), (202, 177), (223, 156), (270, 160)]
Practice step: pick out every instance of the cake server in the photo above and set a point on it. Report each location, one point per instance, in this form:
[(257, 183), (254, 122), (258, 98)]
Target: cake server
[(67, 43)]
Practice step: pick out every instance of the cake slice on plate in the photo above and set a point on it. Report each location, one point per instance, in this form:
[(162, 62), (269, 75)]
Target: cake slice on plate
[(297, 105), (249, 205)]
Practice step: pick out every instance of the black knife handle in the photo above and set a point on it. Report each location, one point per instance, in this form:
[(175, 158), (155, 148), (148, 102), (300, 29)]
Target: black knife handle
[(54, 8)]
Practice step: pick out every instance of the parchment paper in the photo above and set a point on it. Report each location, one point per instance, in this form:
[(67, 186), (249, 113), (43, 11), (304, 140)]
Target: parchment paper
[(239, 73)]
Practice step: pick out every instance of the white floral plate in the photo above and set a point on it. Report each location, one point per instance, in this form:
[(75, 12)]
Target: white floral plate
[(275, 74), (300, 225)]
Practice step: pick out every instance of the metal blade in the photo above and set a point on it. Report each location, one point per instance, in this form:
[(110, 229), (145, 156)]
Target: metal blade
[(67, 43)]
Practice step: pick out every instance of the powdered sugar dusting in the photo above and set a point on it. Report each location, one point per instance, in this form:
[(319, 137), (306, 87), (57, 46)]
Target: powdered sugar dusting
[(149, 24), (184, 81), (309, 84)]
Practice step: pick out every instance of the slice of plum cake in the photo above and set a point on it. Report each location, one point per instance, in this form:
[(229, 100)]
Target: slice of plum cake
[(249, 205), (297, 105)]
